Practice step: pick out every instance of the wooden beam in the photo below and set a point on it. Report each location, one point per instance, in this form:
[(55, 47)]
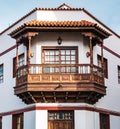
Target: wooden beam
[(25, 98), (43, 96), (66, 96), (54, 95), (78, 95), (32, 97)]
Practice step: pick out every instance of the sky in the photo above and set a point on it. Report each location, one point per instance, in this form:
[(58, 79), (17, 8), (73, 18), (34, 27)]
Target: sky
[(107, 11)]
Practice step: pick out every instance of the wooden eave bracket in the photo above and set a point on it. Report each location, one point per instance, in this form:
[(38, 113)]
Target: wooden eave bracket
[(93, 36), (26, 36)]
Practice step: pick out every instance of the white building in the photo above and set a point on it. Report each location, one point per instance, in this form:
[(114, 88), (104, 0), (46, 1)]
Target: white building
[(59, 69)]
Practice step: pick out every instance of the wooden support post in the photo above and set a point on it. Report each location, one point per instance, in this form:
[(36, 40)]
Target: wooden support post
[(102, 61), (28, 50), (91, 54), (17, 56)]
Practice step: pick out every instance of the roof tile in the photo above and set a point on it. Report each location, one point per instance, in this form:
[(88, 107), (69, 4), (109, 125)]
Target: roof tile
[(36, 23)]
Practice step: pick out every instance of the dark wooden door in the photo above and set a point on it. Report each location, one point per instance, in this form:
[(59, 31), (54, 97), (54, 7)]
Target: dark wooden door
[(60, 125), (60, 120)]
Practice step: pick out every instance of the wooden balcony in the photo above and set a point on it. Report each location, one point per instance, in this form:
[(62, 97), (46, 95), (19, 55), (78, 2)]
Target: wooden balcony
[(60, 83)]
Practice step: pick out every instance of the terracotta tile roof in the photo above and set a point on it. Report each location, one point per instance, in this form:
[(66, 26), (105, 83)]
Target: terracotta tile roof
[(66, 24), (36, 23), (60, 8)]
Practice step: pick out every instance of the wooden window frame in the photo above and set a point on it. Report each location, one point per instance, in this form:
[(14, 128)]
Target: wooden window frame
[(2, 75), (65, 62), (15, 122), (118, 74), (104, 121), (105, 68), (15, 65), (57, 115)]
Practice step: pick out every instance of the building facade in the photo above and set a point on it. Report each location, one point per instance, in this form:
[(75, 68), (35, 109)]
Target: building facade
[(59, 69)]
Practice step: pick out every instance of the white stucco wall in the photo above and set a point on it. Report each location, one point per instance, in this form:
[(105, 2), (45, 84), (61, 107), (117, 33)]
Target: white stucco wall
[(86, 119), (7, 122), (41, 119), (29, 120), (114, 122), (8, 100), (69, 39)]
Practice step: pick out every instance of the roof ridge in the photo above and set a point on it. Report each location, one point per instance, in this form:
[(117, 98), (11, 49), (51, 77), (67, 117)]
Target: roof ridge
[(64, 5)]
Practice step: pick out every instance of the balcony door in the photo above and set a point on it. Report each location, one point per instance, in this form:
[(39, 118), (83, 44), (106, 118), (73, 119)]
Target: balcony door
[(60, 59), (60, 120)]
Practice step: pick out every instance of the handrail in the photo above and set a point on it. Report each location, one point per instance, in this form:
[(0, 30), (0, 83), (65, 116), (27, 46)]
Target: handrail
[(59, 69)]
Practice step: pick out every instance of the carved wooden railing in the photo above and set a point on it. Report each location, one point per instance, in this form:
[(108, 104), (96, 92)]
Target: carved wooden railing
[(46, 73)]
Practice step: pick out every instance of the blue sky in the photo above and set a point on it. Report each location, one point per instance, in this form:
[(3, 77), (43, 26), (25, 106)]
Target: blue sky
[(107, 11)]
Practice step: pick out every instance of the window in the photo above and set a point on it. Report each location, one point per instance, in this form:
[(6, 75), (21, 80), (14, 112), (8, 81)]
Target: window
[(18, 121), (0, 122), (105, 69), (119, 74), (64, 56), (104, 121), (60, 120), (60, 115), (20, 63), (1, 73)]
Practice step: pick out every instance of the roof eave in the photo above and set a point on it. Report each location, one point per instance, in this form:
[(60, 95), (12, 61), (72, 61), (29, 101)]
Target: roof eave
[(54, 29)]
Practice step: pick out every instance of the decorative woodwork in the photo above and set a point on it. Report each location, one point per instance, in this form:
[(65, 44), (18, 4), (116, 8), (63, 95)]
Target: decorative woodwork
[(34, 85), (57, 82), (61, 119)]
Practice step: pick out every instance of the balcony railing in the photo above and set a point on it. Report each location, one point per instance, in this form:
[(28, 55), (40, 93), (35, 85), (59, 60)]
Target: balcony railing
[(59, 73)]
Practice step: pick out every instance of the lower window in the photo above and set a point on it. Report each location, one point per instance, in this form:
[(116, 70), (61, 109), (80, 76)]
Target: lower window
[(18, 121), (60, 120), (104, 121)]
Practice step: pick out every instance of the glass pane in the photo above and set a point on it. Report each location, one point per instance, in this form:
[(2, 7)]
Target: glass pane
[(47, 70), (56, 62), (52, 58), (51, 52), (67, 62), (56, 58), (60, 115), (1, 70), (62, 52), (72, 62), (68, 69), (67, 57), (21, 60), (56, 70), (47, 58), (72, 57), (63, 62), (73, 69), (57, 53), (72, 52), (62, 57), (47, 52), (63, 69), (67, 52)]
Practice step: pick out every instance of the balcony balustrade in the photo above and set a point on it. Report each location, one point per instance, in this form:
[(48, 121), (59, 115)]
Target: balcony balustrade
[(56, 79)]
